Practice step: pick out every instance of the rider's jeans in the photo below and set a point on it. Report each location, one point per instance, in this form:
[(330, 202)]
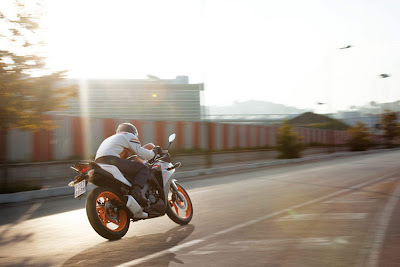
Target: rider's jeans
[(136, 172)]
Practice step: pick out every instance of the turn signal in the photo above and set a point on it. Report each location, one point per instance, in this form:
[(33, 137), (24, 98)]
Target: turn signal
[(90, 173)]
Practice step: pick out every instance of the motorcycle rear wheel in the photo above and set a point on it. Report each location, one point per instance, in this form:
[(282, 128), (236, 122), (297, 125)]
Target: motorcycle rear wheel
[(181, 212), (106, 214)]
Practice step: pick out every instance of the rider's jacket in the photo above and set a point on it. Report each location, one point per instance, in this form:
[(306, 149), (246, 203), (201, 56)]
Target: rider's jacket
[(122, 145)]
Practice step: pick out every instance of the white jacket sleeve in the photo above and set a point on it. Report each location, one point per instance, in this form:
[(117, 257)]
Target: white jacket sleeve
[(142, 152)]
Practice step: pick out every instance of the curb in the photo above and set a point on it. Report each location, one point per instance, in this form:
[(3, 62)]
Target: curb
[(63, 191)]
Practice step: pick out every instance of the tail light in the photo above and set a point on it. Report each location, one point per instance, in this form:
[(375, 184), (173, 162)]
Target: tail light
[(90, 173), (81, 168)]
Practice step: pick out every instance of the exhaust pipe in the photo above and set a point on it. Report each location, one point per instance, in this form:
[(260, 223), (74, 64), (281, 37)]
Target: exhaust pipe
[(135, 208)]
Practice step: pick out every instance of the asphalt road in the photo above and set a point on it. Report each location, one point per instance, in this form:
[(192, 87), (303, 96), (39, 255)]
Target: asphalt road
[(339, 212)]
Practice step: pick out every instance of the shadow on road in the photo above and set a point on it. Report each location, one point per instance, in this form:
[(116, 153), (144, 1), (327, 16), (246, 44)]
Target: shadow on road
[(12, 213), (15, 239), (111, 253), (28, 261)]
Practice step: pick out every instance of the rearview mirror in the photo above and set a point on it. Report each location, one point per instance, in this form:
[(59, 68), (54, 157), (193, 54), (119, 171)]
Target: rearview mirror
[(171, 137)]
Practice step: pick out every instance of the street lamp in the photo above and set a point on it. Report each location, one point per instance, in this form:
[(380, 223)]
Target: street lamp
[(384, 75), (346, 47), (320, 104)]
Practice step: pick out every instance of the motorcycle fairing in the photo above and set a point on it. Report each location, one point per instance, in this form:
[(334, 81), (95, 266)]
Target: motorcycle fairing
[(166, 175), (163, 167), (160, 166), (115, 172)]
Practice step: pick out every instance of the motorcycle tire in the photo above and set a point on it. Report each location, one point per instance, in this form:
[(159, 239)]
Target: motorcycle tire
[(108, 219), (181, 212)]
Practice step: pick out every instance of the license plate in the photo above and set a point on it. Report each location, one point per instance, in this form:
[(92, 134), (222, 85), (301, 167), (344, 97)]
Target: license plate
[(80, 188)]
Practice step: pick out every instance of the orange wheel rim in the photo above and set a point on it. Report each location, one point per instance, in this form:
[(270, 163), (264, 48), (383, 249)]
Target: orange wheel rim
[(178, 203), (111, 224)]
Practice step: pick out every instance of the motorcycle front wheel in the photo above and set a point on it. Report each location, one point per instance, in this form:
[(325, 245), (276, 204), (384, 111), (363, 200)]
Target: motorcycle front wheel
[(106, 213), (181, 212)]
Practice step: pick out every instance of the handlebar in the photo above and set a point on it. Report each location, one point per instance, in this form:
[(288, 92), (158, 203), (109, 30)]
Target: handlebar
[(158, 157), (162, 156)]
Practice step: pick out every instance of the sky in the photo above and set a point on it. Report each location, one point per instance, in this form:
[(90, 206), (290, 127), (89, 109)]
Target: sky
[(285, 51)]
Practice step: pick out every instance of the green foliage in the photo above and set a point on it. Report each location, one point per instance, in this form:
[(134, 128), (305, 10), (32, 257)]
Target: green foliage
[(27, 89), (331, 125), (359, 137), (318, 121), (289, 144), (390, 127)]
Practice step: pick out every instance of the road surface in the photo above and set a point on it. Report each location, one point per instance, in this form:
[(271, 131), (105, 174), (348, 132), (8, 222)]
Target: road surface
[(338, 212)]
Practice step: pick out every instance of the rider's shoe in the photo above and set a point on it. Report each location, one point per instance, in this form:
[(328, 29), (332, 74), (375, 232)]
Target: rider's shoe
[(137, 194), (136, 209)]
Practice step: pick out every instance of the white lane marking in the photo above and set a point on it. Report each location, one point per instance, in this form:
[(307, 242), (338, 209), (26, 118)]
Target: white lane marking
[(303, 243), (324, 216), (351, 198), (338, 200), (271, 244), (185, 245), (195, 252), (248, 223), (24, 217), (313, 242), (383, 224), (161, 253), (30, 211)]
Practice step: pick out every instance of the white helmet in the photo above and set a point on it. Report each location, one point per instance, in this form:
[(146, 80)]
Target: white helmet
[(127, 127)]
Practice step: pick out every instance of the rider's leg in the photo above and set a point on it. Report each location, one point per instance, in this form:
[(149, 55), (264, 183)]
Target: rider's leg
[(137, 174)]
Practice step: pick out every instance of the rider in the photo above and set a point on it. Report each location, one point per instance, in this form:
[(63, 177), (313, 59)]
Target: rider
[(115, 149)]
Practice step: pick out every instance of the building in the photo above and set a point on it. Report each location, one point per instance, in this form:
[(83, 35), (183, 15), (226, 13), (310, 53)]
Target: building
[(148, 99)]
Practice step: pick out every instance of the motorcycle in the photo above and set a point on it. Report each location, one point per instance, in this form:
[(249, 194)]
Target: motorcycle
[(110, 207)]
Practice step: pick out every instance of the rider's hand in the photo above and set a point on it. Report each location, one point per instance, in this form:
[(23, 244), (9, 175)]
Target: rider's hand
[(157, 150)]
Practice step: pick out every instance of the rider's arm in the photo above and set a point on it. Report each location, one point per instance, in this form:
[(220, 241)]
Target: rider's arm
[(142, 152)]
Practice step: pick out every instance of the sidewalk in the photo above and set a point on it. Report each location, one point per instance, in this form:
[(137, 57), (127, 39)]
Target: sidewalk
[(197, 166)]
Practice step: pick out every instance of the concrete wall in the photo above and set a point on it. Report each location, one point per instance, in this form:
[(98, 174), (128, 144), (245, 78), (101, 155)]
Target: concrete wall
[(76, 137), (58, 174)]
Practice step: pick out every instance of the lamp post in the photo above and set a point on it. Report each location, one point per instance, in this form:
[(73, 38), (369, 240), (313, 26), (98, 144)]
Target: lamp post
[(383, 76), (380, 116), (333, 128), (321, 103)]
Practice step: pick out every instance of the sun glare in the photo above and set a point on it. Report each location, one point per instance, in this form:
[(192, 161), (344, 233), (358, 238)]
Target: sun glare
[(100, 39), (262, 48)]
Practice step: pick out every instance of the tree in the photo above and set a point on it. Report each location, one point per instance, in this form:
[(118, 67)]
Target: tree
[(27, 89), (390, 127), (309, 119), (288, 142), (359, 137)]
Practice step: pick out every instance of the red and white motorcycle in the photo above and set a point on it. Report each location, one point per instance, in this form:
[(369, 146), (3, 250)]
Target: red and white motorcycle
[(110, 207)]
